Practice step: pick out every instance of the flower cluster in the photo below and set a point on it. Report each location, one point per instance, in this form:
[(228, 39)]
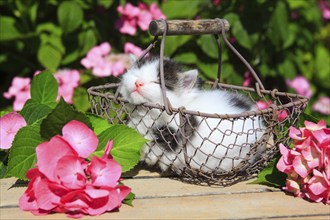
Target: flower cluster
[(322, 105), (65, 182), (301, 85), (10, 124), (67, 80), (20, 90), (282, 114), (307, 164), (104, 64), (132, 16), (325, 9)]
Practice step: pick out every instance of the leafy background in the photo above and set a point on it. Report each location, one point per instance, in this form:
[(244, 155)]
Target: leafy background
[(281, 39)]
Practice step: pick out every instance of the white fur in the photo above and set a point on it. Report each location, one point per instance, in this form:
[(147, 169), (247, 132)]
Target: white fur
[(216, 146)]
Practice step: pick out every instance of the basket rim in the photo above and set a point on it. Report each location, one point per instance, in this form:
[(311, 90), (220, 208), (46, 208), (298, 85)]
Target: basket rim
[(301, 100)]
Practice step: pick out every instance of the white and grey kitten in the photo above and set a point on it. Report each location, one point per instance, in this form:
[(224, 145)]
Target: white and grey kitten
[(213, 145)]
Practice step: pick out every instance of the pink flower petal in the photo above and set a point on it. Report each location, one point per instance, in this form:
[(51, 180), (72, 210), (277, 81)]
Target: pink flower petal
[(311, 126), (283, 114), (144, 19), (115, 199), (322, 137), (300, 166), (317, 184), (301, 85), (105, 48), (104, 172), (45, 198), (70, 171), (107, 149), (27, 201), (322, 105), (127, 27), (49, 153), (10, 124), (295, 134), (293, 187), (156, 12), (82, 139), (132, 49)]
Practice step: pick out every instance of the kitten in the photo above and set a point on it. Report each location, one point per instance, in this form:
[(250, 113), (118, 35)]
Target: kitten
[(202, 143)]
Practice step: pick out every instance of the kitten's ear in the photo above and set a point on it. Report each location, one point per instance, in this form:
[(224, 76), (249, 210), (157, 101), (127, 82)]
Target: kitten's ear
[(132, 59), (189, 78)]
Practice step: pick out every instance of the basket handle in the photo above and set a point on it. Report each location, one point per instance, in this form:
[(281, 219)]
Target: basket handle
[(195, 27), (188, 27)]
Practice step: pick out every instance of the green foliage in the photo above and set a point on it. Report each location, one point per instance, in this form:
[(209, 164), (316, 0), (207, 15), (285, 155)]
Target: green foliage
[(44, 88), (127, 145), (270, 176), (45, 120), (22, 153), (62, 114), (280, 39)]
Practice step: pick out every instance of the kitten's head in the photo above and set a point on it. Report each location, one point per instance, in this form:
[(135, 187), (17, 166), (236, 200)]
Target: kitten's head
[(141, 83)]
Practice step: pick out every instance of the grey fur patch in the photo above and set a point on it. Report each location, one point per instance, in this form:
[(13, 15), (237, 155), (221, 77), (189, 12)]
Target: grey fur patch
[(165, 138), (240, 102)]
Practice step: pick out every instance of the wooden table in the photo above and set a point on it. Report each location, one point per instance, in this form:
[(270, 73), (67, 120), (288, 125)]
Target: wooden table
[(165, 198)]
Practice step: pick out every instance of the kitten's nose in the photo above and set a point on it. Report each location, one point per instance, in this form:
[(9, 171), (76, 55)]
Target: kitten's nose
[(138, 83)]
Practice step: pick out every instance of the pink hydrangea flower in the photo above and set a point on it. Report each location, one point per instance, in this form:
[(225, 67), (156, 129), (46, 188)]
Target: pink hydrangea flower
[(322, 105), (307, 164), (104, 64), (324, 9), (282, 114), (141, 16), (10, 124), (65, 182), (20, 90), (67, 80), (247, 78), (99, 60), (301, 85), (216, 2), (130, 48)]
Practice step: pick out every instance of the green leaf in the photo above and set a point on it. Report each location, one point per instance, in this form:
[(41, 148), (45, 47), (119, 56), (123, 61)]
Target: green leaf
[(239, 32), (70, 16), (49, 56), (322, 61), (2, 113), (33, 112), (287, 69), (80, 99), (62, 114), (87, 40), (270, 176), (129, 199), (22, 155), (106, 4), (181, 9), (278, 25), (99, 124), (190, 58), (127, 145), (172, 43), (44, 88), (3, 162), (8, 30), (209, 70), (208, 45)]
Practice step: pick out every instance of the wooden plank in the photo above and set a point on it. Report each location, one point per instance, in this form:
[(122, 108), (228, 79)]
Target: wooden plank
[(234, 206), (164, 198), (149, 188)]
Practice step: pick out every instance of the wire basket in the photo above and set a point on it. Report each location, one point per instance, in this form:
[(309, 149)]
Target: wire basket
[(245, 158)]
